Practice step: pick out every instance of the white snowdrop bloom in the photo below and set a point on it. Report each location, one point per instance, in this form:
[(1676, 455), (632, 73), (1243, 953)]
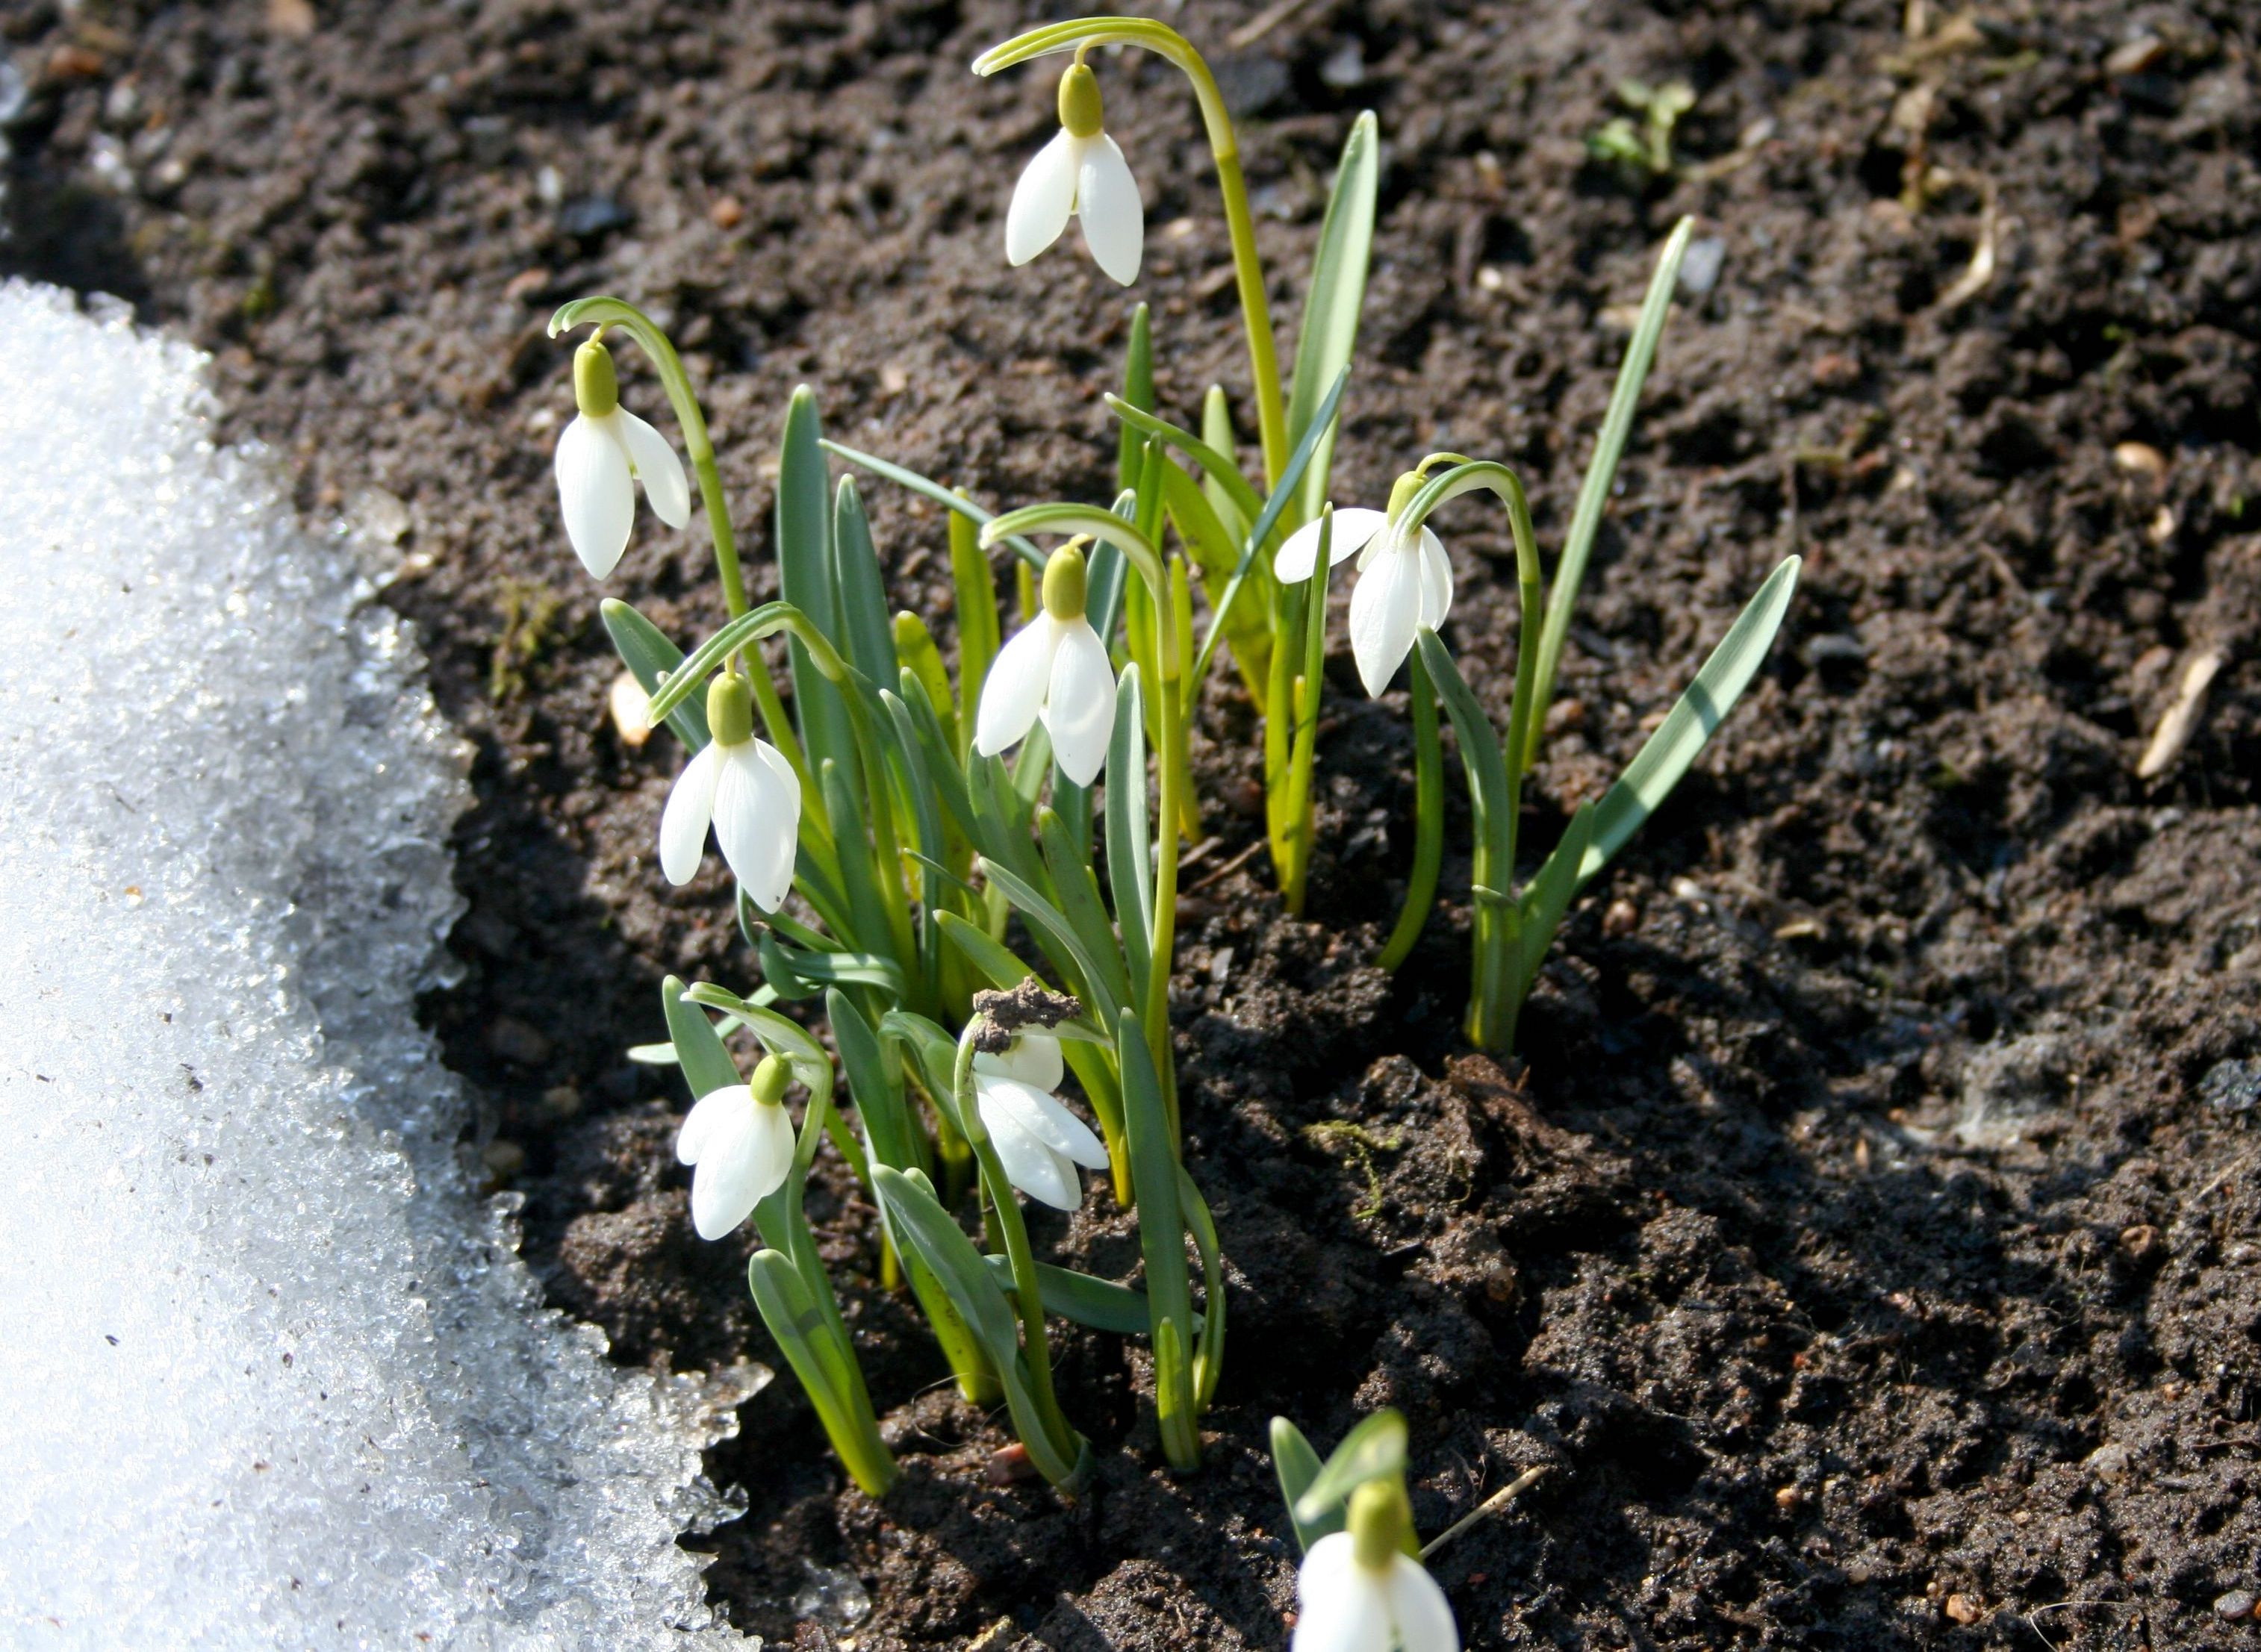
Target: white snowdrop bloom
[(1403, 586), (1079, 174), (1038, 1142), (1358, 1591), (603, 453), (1056, 667), (739, 1143), (746, 790)]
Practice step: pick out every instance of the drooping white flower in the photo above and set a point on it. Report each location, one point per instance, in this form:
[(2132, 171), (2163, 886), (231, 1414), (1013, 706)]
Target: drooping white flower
[(1403, 587), (1056, 667), (1360, 1592), (1080, 173), (745, 789), (1038, 1142), (739, 1142), (603, 453)]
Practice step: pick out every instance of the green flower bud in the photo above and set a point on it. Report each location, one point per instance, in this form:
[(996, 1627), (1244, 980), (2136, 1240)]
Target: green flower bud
[(770, 1080), (1063, 583), (1401, 492), (596, 387), (730, 709), (1380, 1522), (1080, 107)]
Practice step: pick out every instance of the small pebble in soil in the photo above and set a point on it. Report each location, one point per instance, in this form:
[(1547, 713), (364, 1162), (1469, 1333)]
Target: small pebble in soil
[(2109, 1462), (2238, 1602), (1699, 266), (2142, 457), (1787, 1497), (561, 1101), (1622, 919), (1964, 1609), (514, 1040), (1008, 1464), (2232, 1086), (1836, 371), (504, 1158)]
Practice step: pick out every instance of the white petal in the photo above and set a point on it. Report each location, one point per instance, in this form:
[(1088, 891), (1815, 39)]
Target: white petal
[(754, 824), (1436, 581), (715, 1110), (595, 493), (740, 1164), (785, 802), (1030, 1165), (1340, 1606), (1080, 705), (1042, 200), (1083, 1146), (1034, 1059), (689, 809), (1108, 206), (1353, 527), (652, 457), (1424, 1622), (1385, 611), (1014, 691)]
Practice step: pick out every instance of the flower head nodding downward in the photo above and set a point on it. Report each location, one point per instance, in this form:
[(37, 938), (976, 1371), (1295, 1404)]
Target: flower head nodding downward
[(1079, 174), (739, 1144), (746, 790), (1405, 586), (603, 453), (1361, 1591), (1038, 1142), (1057, 668)]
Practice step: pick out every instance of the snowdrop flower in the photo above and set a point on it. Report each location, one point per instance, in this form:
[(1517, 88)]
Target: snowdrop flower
[(746, 790), (1038, 1142), (603, 453), (1403, 586), (1056, 668), (1360, 1592), (1079, 174), (739, 1143)]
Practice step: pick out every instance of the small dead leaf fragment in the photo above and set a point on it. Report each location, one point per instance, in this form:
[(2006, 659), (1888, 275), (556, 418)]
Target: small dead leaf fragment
[(631, 710)]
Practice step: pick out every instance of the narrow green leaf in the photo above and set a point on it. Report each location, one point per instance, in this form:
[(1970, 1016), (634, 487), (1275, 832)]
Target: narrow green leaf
[(1082, 1298), (698, 1048), (1217, 554), (645, 650), (806, 573), (1660, 763), (1217, 430), (1066, 857), (955, 502), (1329, 330), (1215, 465), (787, 1039), (1138, 391), (1297, 1465), (869, 930), (1208, 1358), (797, 974), (916, 725), (865, 635), (1161, 1223), (1052, 927), (1129, 843), (1373, 1449), (1594, 493)]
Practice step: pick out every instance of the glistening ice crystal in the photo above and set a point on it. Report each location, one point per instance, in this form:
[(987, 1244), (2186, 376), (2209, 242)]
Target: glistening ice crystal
[(273, 1375)]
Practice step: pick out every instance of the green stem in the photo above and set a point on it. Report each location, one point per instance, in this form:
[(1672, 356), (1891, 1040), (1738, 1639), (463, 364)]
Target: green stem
[(1298, 811), (1428, 821), (1224, 149), (1170, 752)]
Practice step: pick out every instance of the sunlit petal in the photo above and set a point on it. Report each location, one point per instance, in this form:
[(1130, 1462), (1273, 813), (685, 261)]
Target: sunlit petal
[(1042, 200), (1108, 206), (1385, 611), (741, 1162), (595, 493), (1030, 1164), (683, 823), (1034, 1059), (1079, 704), (1340, 1605), (1425, 1621), (1014, 691), (653, 458), (1436, 581), (1353, 527), (751, 823), (716, 1108)]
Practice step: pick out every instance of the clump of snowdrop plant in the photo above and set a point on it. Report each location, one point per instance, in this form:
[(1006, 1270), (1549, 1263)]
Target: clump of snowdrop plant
[(917, 848)]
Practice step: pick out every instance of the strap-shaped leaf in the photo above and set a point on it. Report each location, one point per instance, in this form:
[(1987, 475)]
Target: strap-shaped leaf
[(1082, 1298), (1297, 1465), (1066, 858), (1059, 937), (1601, 474), (645, 650), (1161, 1237), (1138, 391), (1215, 466), (866, 636), (1329, 331), (927, 488), (698, 1048), (916, 725), (1247, 626), (1130, 844), (805, 579), (796, 974), (1209, 1359), (1373, 1449), (1664, 758)]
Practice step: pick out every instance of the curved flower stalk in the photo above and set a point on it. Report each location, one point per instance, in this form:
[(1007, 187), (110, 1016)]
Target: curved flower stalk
[(601, 456), (1080, 173), (1038, 1142), (1056, 668), (745, 789)]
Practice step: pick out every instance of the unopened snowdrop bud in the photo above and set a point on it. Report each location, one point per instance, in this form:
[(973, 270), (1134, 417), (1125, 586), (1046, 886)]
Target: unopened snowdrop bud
[(1361, 1591), (739, 1142), (1038, 1142), (743, 788), (1405, 586), (1057, 668), (1080, 173), (603, 453)]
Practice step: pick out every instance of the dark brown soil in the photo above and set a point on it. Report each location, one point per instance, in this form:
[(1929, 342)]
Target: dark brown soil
[(1870, 1246)]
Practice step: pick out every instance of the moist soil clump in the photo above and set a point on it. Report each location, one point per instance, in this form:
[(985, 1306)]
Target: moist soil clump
[(1865, 1241)]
